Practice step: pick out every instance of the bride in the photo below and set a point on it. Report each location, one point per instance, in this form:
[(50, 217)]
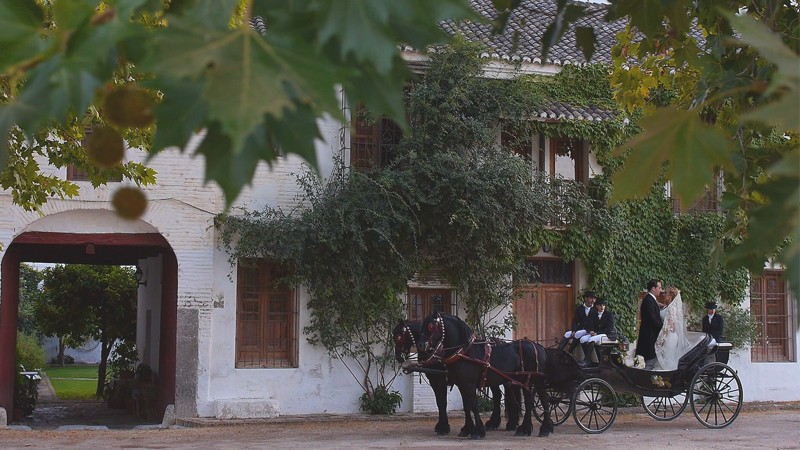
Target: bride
[(672, 343)]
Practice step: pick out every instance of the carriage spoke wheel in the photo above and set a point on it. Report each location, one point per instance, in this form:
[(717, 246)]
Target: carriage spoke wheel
[(665, 408), (594, 405), (560, 407), (716, 395)]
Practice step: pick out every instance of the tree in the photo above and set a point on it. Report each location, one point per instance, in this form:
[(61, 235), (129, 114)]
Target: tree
[(29, 289), (80, 302)]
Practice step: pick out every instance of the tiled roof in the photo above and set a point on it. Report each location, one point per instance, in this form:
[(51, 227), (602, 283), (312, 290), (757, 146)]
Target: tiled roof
[(558, 111), (529, 22)]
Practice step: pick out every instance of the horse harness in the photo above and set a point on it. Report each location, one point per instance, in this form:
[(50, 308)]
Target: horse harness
[(461, 354)]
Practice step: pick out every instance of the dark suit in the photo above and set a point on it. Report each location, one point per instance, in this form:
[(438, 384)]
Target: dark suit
[(580, 321), (715, 328), (650, 314), (603, 325)]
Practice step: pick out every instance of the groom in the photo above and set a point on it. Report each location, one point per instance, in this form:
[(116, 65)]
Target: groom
[(651, 325)]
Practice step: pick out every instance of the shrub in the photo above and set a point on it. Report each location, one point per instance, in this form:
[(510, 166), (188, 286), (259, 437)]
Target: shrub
[(485, 402), (741, 328), (381, 402), (30, 356), (30, 352)]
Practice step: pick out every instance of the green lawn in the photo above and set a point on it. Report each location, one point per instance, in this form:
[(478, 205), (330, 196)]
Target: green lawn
[(66, 385)]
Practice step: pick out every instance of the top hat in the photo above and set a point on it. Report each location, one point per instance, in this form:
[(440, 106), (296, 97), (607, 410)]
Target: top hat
[(600, 301), (589, 294), (711, 305)]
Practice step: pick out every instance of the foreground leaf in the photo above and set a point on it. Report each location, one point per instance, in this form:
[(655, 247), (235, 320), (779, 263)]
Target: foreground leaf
[(695, 150)]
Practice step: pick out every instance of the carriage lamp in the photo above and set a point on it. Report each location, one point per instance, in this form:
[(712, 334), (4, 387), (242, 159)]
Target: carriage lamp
[(139, 276)]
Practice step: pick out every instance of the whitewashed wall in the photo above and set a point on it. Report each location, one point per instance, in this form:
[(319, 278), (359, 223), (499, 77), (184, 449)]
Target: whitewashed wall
[(767, 381)]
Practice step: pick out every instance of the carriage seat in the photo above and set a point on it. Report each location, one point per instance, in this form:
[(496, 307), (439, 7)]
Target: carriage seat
[(606, 341)]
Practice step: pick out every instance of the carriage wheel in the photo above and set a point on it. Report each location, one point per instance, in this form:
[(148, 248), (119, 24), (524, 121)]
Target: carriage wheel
[(560, 407), (665, 408), (716, 395), (594, 405)]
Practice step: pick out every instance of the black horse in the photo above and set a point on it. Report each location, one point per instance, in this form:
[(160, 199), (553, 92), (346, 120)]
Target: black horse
[(406, 334), (472, 364)]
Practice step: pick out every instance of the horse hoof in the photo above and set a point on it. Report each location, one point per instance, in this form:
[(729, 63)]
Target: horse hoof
[(544, 434), (478, 436), (442, 432), (490, 427), (511, 427), (463, 434), (521, 432)]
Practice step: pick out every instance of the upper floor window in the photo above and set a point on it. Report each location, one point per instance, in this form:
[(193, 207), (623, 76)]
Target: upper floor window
[(708, 203), (373, 140), (266, 316), (568, 159), (75, 173)]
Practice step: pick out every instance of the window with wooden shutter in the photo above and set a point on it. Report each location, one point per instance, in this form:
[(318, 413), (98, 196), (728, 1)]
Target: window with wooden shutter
[(266, 316), (75, 173), (770, 306), (423, 301), (373, 140)]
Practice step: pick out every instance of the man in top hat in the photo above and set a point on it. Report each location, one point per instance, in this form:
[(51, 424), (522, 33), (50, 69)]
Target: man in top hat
[(712, 323), (601, 325), (580, 322)]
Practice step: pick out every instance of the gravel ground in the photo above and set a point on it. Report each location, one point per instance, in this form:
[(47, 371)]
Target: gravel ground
[(767, 426)]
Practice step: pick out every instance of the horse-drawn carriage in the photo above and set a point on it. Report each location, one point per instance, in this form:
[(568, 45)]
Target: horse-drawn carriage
[(703, 380), (552, 377)]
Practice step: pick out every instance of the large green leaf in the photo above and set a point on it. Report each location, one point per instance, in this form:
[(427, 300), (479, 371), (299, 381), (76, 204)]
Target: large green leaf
[(566, 13), (369, 30), (646, 15), (694, 150), (586, 40), (785, 111), (20, 39), (245, 75), (234, 170), (180, 114)]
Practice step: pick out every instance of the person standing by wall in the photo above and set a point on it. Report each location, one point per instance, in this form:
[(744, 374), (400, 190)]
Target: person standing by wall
[(713, 323)]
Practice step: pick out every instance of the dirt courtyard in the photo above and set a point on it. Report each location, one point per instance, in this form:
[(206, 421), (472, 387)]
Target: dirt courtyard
[(765, 428)]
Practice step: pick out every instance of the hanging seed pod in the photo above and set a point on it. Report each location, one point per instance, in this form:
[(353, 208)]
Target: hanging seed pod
[(105, 147), (129, 107), (129, 202)]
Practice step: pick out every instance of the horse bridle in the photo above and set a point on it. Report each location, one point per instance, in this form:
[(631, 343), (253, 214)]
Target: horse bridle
[(400, 339)]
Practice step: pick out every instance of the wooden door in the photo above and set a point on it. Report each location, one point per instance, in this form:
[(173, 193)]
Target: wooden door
[(543, 312)]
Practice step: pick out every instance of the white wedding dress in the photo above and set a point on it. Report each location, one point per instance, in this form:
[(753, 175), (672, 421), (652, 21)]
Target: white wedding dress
[(672, 343)]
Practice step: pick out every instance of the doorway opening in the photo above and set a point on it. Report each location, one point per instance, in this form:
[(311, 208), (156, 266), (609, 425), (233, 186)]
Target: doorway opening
[(156, 309)]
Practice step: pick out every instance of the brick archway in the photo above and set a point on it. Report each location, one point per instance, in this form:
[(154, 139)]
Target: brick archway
[(89, 248)]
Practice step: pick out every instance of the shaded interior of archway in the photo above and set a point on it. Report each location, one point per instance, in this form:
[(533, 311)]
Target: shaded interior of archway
[(96, 249)]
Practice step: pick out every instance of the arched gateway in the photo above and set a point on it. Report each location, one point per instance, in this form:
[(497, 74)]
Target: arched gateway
[(93, 242)]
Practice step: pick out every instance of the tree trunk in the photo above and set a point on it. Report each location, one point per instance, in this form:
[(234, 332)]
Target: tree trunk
[(105, 349), (61, 348)]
